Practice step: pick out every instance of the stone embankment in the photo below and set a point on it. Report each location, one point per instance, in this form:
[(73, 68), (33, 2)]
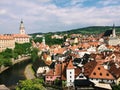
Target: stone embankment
[(29, 73), (2, 68)]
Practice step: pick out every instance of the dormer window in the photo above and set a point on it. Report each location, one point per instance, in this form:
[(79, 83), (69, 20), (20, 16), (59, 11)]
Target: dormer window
[(94, 73), (100, 74), (80, 76), (98, 68), (107, 74)]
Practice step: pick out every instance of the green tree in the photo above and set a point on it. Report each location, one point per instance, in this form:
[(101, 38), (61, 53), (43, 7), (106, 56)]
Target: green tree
[(1, 61), (21, 49), (116, 87), (8, 53), (34, 54), (36, 84), (38, 39), (7, 62)]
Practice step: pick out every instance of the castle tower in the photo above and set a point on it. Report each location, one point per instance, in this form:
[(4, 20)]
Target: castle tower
[(22, 28), (43, 40), (70, 74), (113, 31)]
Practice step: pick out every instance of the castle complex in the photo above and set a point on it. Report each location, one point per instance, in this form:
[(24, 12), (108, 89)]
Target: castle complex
[(9, 40)]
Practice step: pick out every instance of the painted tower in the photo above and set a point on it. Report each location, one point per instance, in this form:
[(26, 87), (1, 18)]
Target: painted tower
[(43, 40), (113, 31), (22, 28), (70, 74)]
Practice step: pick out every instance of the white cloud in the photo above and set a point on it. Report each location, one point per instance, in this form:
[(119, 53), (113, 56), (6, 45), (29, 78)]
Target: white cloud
[(109, 2), (74, 2), (44, 1), (50, 17), (2, 11)]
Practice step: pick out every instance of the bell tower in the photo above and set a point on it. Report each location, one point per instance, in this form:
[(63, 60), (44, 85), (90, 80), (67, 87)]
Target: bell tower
[(22, 28), (114, 32)]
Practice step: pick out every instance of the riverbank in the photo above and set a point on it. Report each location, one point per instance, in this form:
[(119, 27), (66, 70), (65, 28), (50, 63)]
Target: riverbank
[(3, 68), (29, 73)]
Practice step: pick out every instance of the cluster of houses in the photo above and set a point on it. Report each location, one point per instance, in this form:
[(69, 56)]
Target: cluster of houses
[(83, 61)]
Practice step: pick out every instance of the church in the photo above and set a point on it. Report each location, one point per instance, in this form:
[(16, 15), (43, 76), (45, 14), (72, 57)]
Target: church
[(9, 40), (112, 38)]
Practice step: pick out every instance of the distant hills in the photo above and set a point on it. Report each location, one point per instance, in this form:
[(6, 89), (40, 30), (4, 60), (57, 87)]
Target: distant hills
[(85, 30)]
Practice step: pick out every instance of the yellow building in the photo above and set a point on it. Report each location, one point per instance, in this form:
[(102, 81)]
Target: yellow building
[(6, 41)]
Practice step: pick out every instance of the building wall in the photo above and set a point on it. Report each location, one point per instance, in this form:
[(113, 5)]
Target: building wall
[(70, 77), (9, 41), (6, 43), (22, 40), (114, 41), (118, 81), (51, 79), (102, 80)]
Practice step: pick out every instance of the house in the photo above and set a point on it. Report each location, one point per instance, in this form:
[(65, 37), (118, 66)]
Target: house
[(115, 70), (97, 73), (70, 74), (53, 74)]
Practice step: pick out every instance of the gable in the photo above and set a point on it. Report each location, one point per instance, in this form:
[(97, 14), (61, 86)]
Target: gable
[(100, 73), (80, 76)]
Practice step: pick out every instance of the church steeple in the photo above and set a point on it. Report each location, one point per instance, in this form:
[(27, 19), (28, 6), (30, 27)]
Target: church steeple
[(43, 40), (113, 31), (22, 28)]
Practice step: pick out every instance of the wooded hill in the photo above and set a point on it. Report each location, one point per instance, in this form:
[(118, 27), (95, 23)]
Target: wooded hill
[(91, 30), (85, 30)]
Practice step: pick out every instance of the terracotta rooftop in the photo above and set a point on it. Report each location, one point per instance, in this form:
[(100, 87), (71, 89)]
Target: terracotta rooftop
[(6, 37), (20, 36), (100, 72), (115, 70), (88, 67), (50, 73), (70, 65)]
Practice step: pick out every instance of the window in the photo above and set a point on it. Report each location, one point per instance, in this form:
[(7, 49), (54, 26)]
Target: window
[(107, 74), (100, 74), (70, 72), (70, 80), (70, 76), (94, 73), (98, 68), (80, 76)]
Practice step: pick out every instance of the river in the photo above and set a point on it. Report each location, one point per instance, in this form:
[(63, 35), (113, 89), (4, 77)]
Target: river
[(11, 76)]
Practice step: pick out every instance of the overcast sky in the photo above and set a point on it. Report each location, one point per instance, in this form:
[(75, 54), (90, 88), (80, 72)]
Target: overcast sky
[(57, 15)]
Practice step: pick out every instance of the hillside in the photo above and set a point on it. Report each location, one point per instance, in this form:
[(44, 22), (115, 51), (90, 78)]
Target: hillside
[(91, 30), (85, 30)]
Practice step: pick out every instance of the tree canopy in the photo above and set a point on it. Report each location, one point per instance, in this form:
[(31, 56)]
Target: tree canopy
[(35, 84)]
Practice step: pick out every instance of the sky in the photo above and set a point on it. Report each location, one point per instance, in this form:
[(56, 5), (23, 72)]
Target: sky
[(57, 15)]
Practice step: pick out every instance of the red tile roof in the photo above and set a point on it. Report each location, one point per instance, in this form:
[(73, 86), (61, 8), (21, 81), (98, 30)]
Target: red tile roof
[(20, 36), (88, 67), (94, 70), (100, 72), (70, 65), (115, 70), (6, 37)]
